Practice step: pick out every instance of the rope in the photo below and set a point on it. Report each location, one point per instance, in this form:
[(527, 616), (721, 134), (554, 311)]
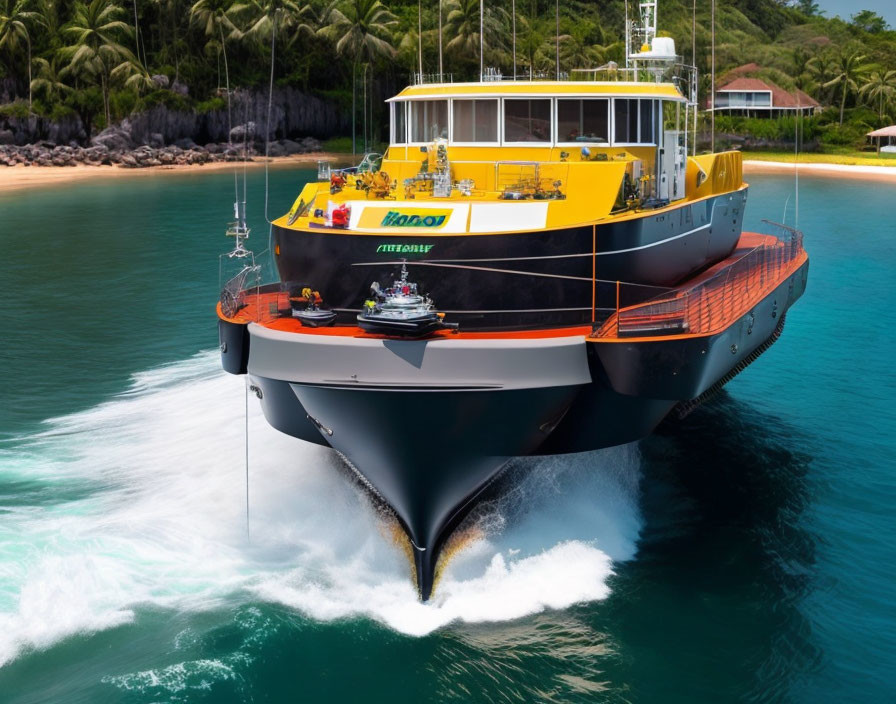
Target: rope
[(248, 538), (267, 126)]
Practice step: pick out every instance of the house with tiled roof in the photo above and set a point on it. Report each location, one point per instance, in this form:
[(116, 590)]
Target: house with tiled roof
[(757, 97)]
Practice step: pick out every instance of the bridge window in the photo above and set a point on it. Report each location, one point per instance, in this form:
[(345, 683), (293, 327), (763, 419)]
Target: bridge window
[(475, 121), (429, 120), (527, 120), (634, 121), (583, 120), (399, 123)]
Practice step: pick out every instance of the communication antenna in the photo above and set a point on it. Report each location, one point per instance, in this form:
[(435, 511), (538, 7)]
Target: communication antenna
[(557, 22), (481, 39), (797, 128), (248, 535), (419, 49), (694, 35), (712, 84), (441, 72), (513, 18)]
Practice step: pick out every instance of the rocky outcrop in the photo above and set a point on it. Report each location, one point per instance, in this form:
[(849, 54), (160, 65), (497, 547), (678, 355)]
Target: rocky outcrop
[(112, 150), (293, 113)]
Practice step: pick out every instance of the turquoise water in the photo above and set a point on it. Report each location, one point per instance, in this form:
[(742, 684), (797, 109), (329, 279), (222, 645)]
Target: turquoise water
[(743, 555)]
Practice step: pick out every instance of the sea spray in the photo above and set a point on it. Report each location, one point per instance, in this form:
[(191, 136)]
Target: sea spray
[(158, 521)]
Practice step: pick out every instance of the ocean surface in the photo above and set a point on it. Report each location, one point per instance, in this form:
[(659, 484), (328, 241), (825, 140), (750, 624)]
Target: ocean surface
[(745, 554)]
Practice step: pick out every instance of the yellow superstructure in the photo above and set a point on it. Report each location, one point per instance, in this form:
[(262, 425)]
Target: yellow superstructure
[(483, 158)]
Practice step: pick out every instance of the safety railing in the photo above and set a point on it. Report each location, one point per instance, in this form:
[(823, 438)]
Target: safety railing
[(267, 303), (714, 303)]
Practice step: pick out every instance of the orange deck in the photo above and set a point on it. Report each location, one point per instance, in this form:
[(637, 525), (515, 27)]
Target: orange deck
[(707, 304), (715, 299)]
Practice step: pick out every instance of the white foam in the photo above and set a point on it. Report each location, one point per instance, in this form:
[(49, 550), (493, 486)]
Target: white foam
[(159, 519)]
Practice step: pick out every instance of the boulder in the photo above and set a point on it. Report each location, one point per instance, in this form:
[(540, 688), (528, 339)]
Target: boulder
[(276, 149), (240, 132), (113, 138), (311, 144), (7, 137), (160, 80), (291, 147), (185, 143)]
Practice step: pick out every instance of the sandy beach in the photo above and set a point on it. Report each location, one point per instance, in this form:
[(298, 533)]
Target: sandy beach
[(14, 178), (851, 171), (21, 177)]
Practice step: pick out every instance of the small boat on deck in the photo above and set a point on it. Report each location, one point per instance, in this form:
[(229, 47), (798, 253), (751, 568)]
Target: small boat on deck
[(306, 308), (401, 311)]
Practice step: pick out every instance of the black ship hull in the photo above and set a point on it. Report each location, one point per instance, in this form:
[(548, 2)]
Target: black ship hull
[(428, 424), (518, 280)]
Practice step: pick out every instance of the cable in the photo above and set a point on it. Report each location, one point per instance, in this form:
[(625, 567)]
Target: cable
[(267, 127), (248, 537)]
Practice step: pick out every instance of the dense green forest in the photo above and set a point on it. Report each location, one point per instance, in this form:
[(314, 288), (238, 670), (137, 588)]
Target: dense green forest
[(104, 59)]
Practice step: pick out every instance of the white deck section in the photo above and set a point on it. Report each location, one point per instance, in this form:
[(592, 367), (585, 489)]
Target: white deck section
[(438, 363), (510, 216)]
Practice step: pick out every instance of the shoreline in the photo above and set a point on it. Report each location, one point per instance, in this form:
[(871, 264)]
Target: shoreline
[(14, 178), (826, 170), (17, 178)]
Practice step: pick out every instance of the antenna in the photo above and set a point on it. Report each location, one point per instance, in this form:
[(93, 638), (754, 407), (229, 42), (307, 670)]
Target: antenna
[(694, 36), (712, 84), (419, 49), (441, 72), (248, 536), (797, 125), (481, 40), (557, 21), (513, 16)]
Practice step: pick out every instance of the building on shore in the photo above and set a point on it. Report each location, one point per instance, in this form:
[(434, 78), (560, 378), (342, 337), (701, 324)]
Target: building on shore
[(745, 96)]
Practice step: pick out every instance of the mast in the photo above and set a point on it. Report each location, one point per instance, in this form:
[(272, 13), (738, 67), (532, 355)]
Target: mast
[(513, 16), (712, 83), (557, 22), (481, 40)]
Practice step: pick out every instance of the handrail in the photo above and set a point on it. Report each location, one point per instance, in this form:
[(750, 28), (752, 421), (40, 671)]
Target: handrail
[(714, 303)]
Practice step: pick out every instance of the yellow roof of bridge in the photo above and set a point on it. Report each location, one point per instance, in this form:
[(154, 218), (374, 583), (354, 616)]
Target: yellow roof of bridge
[(494, 89)]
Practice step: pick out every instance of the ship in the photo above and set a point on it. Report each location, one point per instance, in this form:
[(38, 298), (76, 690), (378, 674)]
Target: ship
[(538, 266)]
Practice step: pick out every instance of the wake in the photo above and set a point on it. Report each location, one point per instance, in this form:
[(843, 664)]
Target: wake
[(143, 504)]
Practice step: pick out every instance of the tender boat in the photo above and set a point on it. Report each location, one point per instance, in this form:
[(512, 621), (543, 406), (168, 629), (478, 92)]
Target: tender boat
[(591, 268), (401, 310)]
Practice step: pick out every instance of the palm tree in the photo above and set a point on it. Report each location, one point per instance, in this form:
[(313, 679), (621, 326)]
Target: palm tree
[(462, 22), (361, 30), (881, 85), (49, 79), (821, 68), (274, 16), (211, 16), (848, 71), (534, 44), (575, 52), (14, 20), (801, 59), (96, 51)]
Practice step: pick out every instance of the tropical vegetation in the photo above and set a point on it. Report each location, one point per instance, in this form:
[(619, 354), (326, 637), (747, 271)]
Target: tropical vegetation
[(103, 59)]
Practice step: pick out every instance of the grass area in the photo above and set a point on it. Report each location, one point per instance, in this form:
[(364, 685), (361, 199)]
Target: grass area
[(343, 145), (338, 145), (847, 158)]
